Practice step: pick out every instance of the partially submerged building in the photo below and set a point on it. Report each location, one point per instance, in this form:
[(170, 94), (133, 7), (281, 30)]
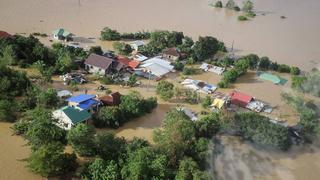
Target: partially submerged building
[(97, 64), (154, 68), (172, 54), (198, 85), (62, 34), (69, 116), (240, 99), (273, 78), (113, 99), (84, 102), (211, 68), (136, 45)]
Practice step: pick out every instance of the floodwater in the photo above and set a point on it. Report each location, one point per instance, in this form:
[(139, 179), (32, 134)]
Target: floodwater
[(13, 152), (293, 40), (245, 161)]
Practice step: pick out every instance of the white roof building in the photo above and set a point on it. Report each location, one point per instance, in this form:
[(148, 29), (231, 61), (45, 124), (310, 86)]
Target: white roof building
[(136, 44), (139, 57), (157, 66)]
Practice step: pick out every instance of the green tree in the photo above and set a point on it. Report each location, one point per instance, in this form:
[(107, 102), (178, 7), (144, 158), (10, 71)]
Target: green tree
[(231, 4), (189, 170), (100, 169), (242, 66), (165, 90), (253, 60), (96, 50), (230, 76), (264, 63), (122, 48), (6, 110), (206, 103), (82, 139), (247, 6), (109, 34), (49, 160), (206, 47), (132, 104), (175, 137), (7, 56), (145, 164), (208, 125), (191, 96), (294, 70), (109, 116), (42, 129), (48, 98), (261, 130), (132, 80), (110, 147), (64, 63), (218, 4)]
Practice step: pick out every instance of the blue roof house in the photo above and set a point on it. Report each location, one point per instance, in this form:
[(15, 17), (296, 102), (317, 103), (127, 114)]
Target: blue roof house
[(84, 102)]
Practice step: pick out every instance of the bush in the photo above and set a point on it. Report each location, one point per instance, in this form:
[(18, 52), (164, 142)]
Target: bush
[(206, 103), (247, 6), (283, 68), (242, 18), (294, 70), (179, 66), (122, 48), (109, 34), (218, 4), (189, 71), (106, 80), (251, 14), (165, 90), (236, 8)]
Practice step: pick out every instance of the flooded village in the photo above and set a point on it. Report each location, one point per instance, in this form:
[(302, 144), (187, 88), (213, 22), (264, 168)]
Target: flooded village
[(107, 72)]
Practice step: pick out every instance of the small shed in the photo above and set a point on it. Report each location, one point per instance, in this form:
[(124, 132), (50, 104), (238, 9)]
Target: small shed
[(112, 99)]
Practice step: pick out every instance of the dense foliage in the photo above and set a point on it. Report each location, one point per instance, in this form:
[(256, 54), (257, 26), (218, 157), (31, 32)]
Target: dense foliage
[(132, 105), (82, 139), (260, 129), (309, 83), (165, 90)]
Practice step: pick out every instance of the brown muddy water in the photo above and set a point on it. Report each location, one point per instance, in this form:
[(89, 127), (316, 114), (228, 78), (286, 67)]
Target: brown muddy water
[(293, 40), (244, 161), (13, 152)]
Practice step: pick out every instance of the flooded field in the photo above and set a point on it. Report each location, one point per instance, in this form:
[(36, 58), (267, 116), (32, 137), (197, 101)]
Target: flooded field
[(293, 40), (244, 161), (13, 152)]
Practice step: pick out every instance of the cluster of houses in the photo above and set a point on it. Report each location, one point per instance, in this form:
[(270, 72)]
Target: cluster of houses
[(239, 99), (80, 108)]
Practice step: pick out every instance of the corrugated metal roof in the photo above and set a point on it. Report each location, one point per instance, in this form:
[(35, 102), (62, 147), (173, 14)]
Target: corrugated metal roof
[(99, 61), (88, 104), (75, 115), (80, 98)]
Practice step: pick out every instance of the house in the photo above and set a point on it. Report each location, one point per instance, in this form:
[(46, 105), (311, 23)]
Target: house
[(99, 64), (112, 99), (154, 68), (240, 99), (132, 64), (172, 54), (197, 85), (139, 57), (4, 34), (69, 116), (135, 45), (62, 34), (84, 102), (211, 68)]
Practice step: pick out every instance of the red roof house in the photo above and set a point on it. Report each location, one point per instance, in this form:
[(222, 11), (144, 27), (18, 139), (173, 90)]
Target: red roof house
[(4, 34), (112, 99), (240, 99), (128, 62)]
